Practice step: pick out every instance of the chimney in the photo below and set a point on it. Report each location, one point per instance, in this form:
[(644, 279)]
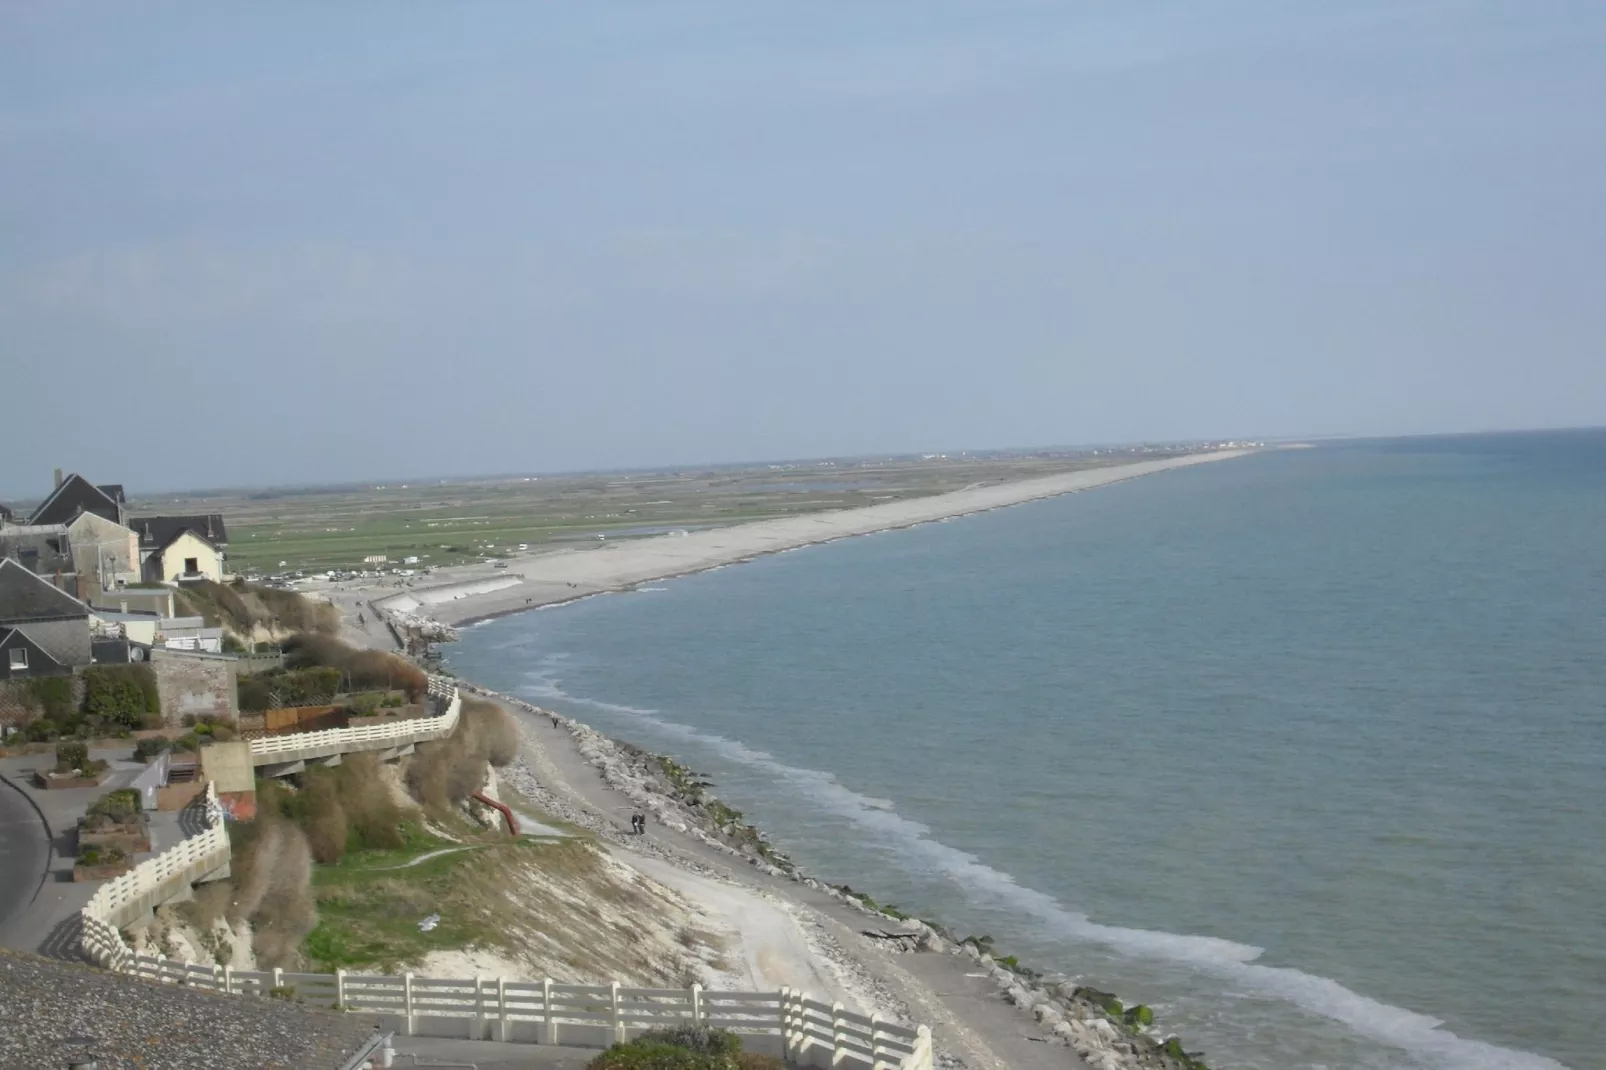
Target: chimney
[(58, 477)]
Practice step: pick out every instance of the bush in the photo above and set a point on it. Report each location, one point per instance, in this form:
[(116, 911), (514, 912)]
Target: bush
[(150, 747), (646, 1055), (102, 856), (702, 1039), (54, 696), (312, 686), (491, 731), (71, 756), (360, 670), (119, 805), (122, 695)]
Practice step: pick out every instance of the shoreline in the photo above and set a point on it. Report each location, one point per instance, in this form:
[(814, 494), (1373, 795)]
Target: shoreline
[(985, 1010), (554, 578)]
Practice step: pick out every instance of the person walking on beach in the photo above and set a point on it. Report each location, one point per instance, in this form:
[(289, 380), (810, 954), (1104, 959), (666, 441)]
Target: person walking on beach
[(554, 720)]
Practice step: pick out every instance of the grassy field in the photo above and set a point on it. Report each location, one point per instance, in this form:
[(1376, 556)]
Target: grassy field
[(455, 521)]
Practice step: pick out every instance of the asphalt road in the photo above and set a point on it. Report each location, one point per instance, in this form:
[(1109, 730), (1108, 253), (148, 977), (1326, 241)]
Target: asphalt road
[(24, 852)]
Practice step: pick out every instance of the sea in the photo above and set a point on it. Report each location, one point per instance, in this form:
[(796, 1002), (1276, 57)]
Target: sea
[(1306, 750)]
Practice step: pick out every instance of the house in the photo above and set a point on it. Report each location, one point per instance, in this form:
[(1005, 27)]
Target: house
[(76, 495), (43, 630), (104, 551), (43, 549), (177, 548)]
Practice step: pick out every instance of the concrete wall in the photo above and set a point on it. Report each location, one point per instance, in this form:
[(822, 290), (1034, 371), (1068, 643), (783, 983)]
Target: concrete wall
[(190, 682), (158, 600), (104, 550), (208, 562)]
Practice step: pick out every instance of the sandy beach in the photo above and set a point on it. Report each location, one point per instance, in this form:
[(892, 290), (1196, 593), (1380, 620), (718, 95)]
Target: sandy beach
[(464, 595)]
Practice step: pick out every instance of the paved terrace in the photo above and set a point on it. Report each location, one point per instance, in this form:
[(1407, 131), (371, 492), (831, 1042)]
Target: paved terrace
[(39, 903)]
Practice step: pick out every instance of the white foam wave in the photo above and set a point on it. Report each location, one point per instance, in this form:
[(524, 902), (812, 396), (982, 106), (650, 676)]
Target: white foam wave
[(1224, 959)]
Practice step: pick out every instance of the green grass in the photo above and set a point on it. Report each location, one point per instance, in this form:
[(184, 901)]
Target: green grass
[(368, 914)]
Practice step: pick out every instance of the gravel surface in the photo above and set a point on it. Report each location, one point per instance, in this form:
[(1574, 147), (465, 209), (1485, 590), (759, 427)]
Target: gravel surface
[(128, 1023)]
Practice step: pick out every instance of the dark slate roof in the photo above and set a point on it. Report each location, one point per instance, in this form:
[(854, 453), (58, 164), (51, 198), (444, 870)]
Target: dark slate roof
[(114, 491), (25, 597), (76, 495), (156, 532), (40, 661)]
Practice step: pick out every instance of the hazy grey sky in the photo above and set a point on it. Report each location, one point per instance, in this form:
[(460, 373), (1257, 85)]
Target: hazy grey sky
[(293, 242)]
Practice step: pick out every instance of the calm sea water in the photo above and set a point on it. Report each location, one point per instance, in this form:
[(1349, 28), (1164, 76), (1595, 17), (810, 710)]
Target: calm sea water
[(1307, 750)]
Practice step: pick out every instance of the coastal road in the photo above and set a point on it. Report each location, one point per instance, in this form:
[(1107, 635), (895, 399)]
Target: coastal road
[(24, 852)]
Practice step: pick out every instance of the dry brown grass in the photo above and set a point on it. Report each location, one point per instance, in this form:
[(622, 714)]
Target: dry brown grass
[(272, 889), (445, 772), (241, 608)]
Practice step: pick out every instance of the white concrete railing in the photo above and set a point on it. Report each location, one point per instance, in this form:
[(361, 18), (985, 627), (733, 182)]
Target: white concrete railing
[(787, 1024), (295, 745), (124, 899)]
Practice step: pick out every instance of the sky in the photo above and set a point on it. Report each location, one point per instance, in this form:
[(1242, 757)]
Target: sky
[(305, 242)]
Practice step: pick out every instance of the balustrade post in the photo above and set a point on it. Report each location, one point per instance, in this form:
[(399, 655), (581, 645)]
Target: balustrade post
[(551, 1031), (340, 989), (838, 1046), (476, 1025), (228, 980), (696, 1004), (278, 978), (618, 1023), (501, 1009), (407, 1000), (875, 1042)]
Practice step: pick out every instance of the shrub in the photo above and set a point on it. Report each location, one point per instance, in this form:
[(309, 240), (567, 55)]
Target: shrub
[(54, 696), (119, 805), (360, 670), (150, 747), (646, 1055), (491, 731), (701, 1039), (102, 856), (122, 695), (71, 756)]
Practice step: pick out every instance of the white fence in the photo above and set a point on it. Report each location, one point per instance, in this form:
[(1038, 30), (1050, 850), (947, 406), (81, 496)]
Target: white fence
[(331, 741), (788, 1023), (123, 900)]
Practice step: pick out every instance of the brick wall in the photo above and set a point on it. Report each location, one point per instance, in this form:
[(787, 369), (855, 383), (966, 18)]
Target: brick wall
[(192, 683)]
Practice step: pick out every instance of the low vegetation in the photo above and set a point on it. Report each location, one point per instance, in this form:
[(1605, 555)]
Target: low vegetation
[(445, 772), (247, 611), (360, 670), (691, 1048), (104, 701)]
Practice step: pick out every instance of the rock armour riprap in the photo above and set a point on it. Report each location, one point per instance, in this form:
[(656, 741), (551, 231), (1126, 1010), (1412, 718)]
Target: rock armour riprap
[(1087, 1020), (131, 1023)]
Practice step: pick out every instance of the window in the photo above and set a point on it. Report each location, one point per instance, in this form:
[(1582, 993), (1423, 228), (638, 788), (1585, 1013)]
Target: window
[(192, 565), (18, 659)]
